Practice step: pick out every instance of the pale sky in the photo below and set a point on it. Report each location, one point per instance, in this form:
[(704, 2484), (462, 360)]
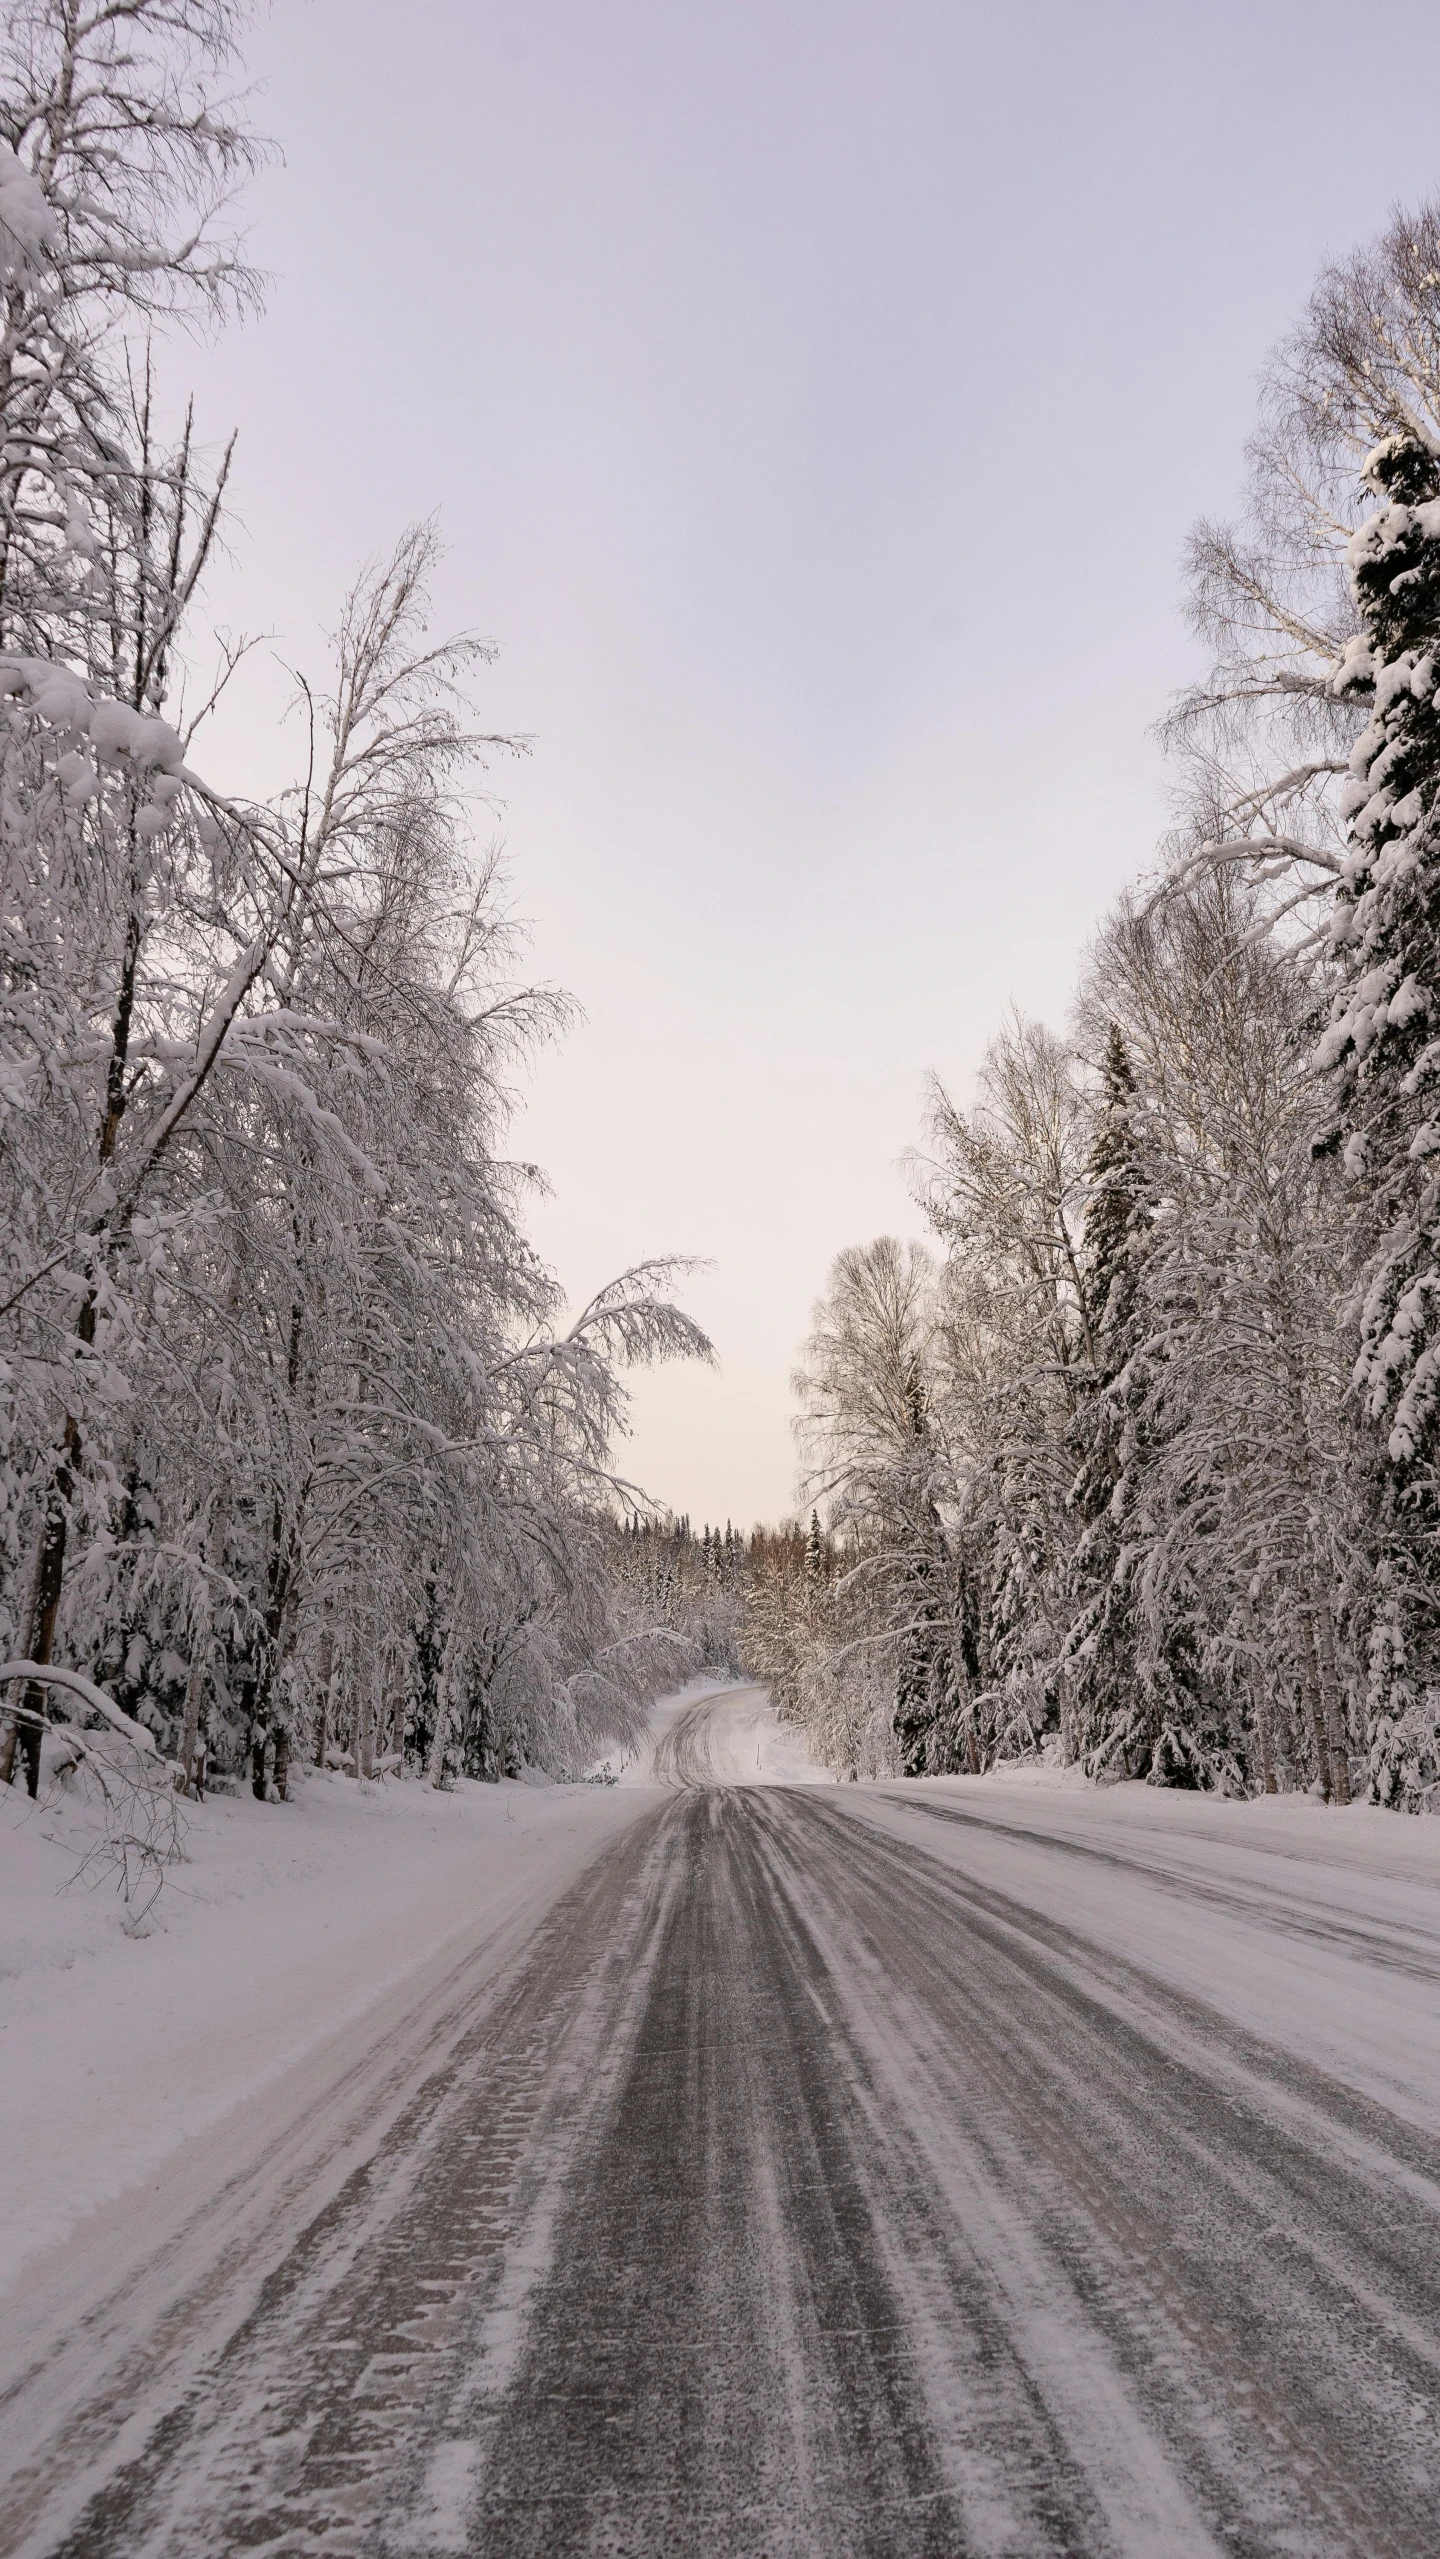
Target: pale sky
[(814, 398)]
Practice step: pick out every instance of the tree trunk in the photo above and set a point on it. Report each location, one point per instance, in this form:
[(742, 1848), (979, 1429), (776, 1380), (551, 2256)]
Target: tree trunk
[(9, 1741), (397, 1711), (1327, 1703), (365, 1737), (1069, 1752), (1310, 1683), (260, 1687), (1260, 1702), (329, 1678), (1260, 1706), (194, 1698), (441, 1734), (1332, 1702), (47, 1583)]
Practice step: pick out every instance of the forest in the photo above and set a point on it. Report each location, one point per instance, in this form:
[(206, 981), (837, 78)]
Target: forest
[(301, 1458), (1135, 1463), (297, 1459)]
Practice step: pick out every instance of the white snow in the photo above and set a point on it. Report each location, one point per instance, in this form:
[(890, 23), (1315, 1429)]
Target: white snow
[(283, 1927), (28, 228), (745, 1743), (1313, 1928), (304, 1952), (285, 1924)]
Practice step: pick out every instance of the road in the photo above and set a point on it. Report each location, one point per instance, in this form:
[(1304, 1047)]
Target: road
[(836, 2170)]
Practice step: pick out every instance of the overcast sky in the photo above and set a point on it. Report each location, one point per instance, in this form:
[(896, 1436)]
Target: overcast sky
[(814, 399)]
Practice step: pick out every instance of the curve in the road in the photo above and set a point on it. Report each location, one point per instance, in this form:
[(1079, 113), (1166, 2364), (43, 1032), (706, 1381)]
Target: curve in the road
[(730, 1736)]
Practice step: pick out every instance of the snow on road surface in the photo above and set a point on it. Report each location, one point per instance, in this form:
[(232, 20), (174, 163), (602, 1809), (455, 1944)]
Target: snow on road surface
[(722, 1734), (282, 1927), (946, 2168)]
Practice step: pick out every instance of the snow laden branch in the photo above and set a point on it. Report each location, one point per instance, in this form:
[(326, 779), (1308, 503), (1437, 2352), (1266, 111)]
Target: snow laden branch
[(52, 1675), (326, 1469), (118, 167)]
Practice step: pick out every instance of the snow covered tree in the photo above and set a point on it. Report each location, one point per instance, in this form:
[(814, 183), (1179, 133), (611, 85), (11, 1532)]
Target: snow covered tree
[(1231, 1454), (778, 1627), (864, 1385), (1164, 1530), (1321, 620), (1266, 739), (102, 539), (1384, 1046), (1115, 1203), (1383, 1035), (140, 914), (1102, 1708), (1004, 1185), (293, 1447), (117, 165)]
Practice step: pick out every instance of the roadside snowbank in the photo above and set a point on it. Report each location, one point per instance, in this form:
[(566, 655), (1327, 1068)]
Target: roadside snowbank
[(1359, 1835), (283, 1924)]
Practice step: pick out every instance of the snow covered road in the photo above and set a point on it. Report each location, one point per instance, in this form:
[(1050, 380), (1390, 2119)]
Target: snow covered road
[(937, 2169), (725, 1736)]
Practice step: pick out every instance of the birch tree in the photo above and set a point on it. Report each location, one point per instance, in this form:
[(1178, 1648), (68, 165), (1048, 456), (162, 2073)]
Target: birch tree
[(867, 1388), (119, 164)]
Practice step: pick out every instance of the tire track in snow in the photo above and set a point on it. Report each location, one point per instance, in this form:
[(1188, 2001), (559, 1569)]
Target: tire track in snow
[(1121, 2279), (719, 2362), (798, 2193), (1257, 2247), (315, 2412), (1260, 1904)]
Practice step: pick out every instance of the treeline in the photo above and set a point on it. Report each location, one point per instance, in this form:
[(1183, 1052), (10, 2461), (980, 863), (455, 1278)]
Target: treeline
[(296, 1457), (1138, 1463), (689, 1587)]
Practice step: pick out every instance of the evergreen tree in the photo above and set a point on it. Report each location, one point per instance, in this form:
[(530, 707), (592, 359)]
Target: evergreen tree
[(1109, 1718), (1113, 1210), (927, 1719), (1384, 1045)]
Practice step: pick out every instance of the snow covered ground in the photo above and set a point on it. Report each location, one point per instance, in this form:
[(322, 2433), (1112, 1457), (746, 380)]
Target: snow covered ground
[(284, 1925), (498, 2168)]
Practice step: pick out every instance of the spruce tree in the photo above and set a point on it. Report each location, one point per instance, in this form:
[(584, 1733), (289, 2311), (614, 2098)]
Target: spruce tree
[(1098, 1660), (927, 1702), (1384, 1047), (1135, 1673), (1117, 1191)]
